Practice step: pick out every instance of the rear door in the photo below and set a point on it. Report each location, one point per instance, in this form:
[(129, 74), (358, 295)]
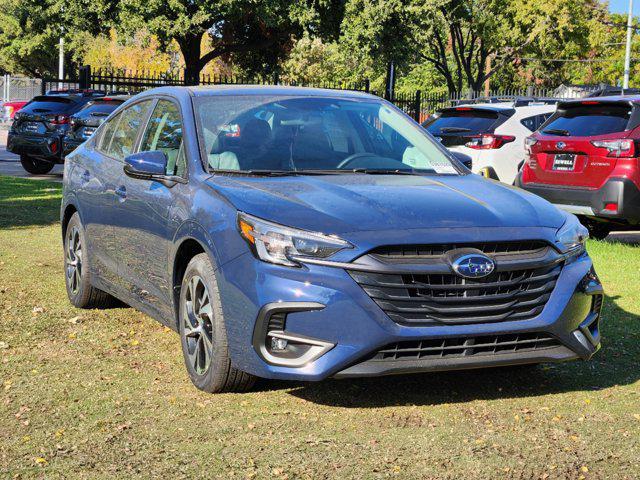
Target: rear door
[(565, 153)]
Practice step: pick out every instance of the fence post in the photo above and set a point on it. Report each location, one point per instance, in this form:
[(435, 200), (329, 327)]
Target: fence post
[(276, 79), (417, 106), (43, 86), (366, 85)]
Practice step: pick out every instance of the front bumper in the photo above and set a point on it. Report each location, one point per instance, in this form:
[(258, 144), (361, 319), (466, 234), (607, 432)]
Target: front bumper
[(70, 144), (47, 147), (591, 202), (352, 327)]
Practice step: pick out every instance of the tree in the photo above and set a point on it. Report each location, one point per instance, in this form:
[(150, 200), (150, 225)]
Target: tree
[(30, 31), (460, 38), (234, 27)]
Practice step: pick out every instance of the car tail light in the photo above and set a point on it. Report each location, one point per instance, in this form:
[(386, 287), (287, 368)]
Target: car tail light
[(611, 207), (57, 119), (617, 148), (488, 141)]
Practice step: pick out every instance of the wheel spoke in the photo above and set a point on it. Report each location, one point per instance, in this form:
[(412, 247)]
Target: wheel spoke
[(197, 317)]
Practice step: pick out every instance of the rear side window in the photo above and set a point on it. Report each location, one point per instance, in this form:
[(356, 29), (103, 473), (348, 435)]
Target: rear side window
[(464, 121), (533, 123), (588, 120), (50, 104)]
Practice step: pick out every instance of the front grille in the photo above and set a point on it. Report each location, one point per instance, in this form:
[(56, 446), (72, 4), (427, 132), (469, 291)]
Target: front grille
[(466, 346), (518, 289), (526, 247)]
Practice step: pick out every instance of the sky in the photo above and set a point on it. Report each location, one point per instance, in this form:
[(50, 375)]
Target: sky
[(622, 6)]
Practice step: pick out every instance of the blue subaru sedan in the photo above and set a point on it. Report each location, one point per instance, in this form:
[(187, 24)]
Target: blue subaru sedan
[(300, 234)]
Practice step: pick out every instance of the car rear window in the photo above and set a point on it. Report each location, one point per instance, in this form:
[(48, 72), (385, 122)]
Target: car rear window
[(588, 120), (45, 104), (464, 121), (98, 109)]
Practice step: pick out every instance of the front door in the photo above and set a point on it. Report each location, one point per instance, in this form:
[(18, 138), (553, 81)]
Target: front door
[(148, 225)]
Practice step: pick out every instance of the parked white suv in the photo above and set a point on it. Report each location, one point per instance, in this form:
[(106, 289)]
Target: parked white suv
[(491, 134)]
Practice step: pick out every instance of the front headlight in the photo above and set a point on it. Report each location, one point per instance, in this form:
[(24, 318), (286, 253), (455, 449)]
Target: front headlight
[(572, 236), (275, 243)]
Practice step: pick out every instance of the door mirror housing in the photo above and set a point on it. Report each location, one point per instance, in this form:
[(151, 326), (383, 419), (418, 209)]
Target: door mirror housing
[(152, 163)]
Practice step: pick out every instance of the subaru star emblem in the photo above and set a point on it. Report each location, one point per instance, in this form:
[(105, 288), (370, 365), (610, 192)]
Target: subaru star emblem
[(560, 145), (473, 266)]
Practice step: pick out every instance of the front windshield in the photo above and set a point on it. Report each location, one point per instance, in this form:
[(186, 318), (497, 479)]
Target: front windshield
[(268, 133)]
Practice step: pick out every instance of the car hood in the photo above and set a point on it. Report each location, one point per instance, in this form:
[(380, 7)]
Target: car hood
[(360, 202)]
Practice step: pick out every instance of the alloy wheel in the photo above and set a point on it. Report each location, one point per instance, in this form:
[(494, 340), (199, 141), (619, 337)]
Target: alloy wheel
[(74, 259), (197, 327)]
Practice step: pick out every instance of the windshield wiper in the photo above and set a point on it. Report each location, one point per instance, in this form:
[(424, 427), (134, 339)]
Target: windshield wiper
[(557, 131), (454, 129), (386, 171)]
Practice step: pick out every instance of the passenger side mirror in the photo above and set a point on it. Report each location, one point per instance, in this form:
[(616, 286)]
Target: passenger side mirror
[(150, 165)]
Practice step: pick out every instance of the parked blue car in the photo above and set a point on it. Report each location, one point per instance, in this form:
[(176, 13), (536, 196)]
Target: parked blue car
[(301, 234)]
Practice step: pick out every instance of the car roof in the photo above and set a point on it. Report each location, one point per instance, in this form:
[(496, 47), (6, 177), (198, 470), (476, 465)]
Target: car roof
[(609, 99), (224, 90)]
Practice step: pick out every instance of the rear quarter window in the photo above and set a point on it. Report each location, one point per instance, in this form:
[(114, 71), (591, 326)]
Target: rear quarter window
[(589, 120)]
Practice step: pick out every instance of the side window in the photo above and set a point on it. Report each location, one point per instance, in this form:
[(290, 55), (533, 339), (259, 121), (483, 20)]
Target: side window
[(107, 134), (534, 122), (164, 133), (127, 123)]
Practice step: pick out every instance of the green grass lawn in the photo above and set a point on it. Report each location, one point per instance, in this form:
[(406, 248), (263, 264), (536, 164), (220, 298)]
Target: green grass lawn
[(104, 394)]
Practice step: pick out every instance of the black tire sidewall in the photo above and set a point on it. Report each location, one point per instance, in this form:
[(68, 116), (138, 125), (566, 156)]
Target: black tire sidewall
[(80, 298), (213, 379), (35, 166)]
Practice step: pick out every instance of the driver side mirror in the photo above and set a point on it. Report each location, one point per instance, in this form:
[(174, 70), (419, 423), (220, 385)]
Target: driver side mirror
[(150, 165)]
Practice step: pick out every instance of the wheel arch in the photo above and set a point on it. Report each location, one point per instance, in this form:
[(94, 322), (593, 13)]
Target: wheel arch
[(67, 213), (186, 248)]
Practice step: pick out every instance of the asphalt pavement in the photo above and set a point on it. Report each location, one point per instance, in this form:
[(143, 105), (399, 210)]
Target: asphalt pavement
[(10, 165)]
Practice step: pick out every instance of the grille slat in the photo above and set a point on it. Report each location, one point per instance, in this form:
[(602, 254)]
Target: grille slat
[(466, 346), (518, 290), (524, 247)]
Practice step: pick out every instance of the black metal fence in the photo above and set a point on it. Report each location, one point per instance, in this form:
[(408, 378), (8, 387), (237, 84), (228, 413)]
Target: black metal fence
[(416, 104)]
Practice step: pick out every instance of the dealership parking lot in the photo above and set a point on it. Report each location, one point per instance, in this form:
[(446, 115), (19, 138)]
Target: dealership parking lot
[(102, 393)]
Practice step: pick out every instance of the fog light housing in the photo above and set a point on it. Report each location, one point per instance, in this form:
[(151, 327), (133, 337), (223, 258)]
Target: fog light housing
[(279, 344)]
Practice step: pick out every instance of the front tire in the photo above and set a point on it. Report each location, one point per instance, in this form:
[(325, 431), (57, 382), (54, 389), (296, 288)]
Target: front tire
[(76, 266), (35, 166), (203, 334)]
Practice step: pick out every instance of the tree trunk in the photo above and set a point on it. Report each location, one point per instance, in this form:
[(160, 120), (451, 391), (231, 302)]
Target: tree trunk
[(190, 48)]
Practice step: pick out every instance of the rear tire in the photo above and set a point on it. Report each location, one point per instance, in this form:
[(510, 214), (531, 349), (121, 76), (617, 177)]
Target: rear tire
[(77, 272), (35, 166), (203, 334)]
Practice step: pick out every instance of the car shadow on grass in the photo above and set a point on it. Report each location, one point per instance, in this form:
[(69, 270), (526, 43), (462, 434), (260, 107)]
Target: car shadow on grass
[(615, 364)]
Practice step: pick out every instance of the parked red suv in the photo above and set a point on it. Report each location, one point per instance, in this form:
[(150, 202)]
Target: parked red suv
[(585, 159)]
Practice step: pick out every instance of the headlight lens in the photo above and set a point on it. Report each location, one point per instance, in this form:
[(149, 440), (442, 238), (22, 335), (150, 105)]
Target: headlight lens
[(572, 236), (277, 244)]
